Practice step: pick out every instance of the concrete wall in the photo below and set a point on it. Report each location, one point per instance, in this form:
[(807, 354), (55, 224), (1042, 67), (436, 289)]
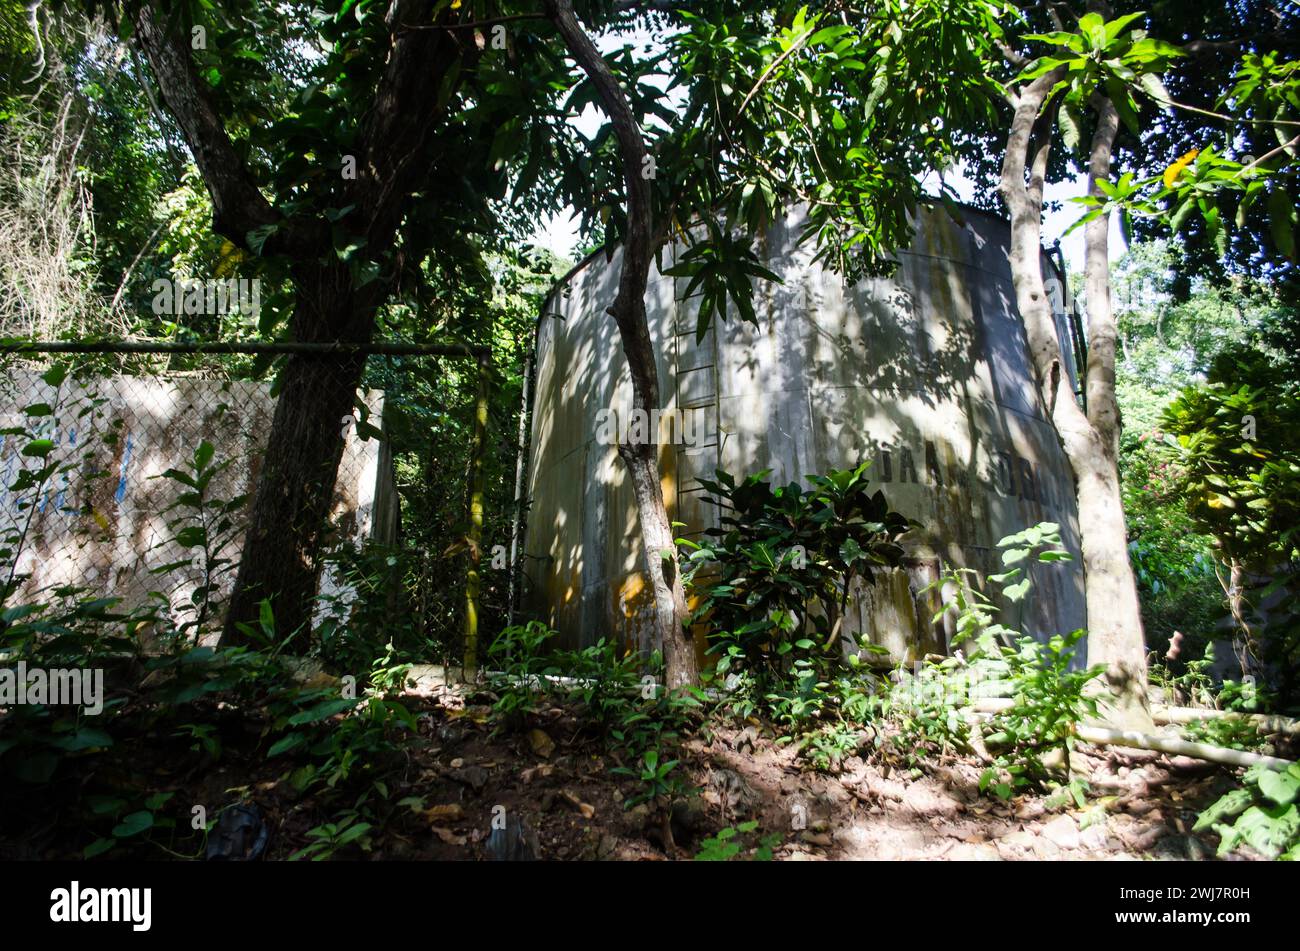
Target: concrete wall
[(104, 525), (926, 373)]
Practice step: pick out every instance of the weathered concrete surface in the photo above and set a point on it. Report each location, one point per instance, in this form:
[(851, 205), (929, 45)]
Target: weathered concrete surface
[(926, 373), (103, 525)]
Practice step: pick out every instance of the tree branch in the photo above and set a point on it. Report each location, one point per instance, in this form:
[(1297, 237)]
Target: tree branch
[(238, 207), (396, 131), (1103, 411), (628, 308), (474, 24), (1028, 149)]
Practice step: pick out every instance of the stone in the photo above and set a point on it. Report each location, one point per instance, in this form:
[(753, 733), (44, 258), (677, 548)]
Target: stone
[(969, 852), (1094, 838), (1045, 848), (746, 740), (607, 846), (688, 817), (1029, 809), (1015, 844), (927, 802), (541, 743), (475, 777), (1063, 831)]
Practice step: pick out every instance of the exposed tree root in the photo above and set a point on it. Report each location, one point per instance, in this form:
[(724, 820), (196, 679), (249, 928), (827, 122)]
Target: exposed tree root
[(1264, 723), (1174, 746)]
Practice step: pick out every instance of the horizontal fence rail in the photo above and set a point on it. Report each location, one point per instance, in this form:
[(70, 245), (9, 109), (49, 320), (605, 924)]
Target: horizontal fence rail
[(219, 348)]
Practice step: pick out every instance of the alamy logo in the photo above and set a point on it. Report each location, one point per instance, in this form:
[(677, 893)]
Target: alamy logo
[(640, 428), (211, 297), (74, 904), (55, 687)]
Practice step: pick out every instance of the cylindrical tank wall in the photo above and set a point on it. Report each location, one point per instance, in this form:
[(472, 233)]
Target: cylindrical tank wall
[(925, 372)]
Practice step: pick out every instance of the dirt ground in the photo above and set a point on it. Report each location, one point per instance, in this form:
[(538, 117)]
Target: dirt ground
[(557, 784), (547, 793)]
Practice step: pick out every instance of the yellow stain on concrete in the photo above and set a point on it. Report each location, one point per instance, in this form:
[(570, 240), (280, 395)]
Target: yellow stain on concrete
[(668, 468), (633, 594)]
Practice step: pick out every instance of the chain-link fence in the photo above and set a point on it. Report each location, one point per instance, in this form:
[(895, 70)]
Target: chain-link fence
[(134, 471)]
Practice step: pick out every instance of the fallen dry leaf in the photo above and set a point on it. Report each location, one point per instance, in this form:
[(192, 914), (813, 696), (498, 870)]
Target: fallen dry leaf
[(448, 836), (536, 772), (451, 812), (588, 811)]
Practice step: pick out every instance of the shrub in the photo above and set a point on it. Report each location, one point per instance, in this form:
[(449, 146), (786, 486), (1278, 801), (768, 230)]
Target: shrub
[(775, 580), (927, 709), (1264, 814)]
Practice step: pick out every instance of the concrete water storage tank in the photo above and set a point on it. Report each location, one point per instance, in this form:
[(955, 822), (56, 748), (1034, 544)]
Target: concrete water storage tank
[(925, 372)]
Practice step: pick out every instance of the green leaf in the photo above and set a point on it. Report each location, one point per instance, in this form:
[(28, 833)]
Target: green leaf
[(321, 711), (286, 743), (1016, 592), (133, 824), (1282, 788), (1281, 217), (98, 847), (192, 536), (1227, 806), (84, 739), (353, 832), (1153, 87), (1115, 27), (1071, 128), (257, 237), (1055, 556)]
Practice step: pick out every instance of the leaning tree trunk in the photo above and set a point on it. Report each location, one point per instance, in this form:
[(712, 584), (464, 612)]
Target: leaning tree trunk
[(628, 311), (290, 511), (1090, 441)]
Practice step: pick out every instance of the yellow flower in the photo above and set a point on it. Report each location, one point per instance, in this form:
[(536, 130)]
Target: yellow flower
[(1173, 171)]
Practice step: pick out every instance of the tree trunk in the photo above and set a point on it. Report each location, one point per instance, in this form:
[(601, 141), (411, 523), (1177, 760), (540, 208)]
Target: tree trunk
[(292, 500), (1114, 625), (1244, 641), (1115, 636), (670, 614), (628, 311), (290, 510)]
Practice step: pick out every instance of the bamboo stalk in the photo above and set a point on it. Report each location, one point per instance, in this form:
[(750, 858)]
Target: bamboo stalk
[(517, 517), (475, 535)]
